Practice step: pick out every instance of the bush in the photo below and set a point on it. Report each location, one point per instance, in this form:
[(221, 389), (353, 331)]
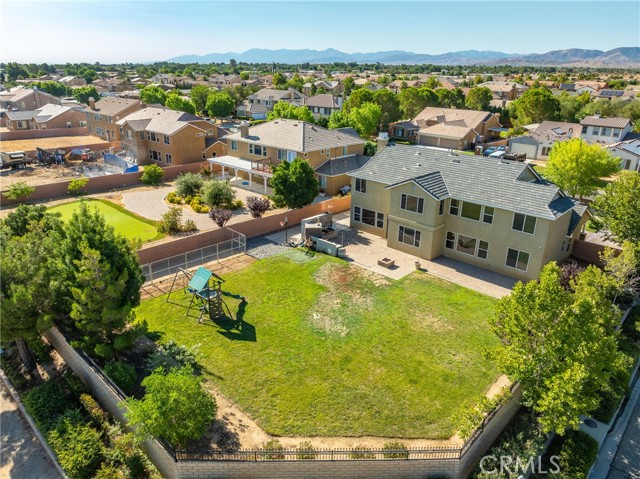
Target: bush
[(93, 409), (174, 198), (471, 416), (78, 447), (204, 171), (171, 354), (188, 184), (19, 190), (76, 187), (220, 216), (217, 193), (122, 374), (197, 206), (306, 451), (236, 205), (362, 452), (397, 450), (171, 221), (152, 175), (175, 407), (45, 403), (274, 448), (577, 452), (258, 206), (109, 472)]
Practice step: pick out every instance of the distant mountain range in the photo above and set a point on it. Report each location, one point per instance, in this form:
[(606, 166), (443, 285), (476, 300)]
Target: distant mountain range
[(618, 57)]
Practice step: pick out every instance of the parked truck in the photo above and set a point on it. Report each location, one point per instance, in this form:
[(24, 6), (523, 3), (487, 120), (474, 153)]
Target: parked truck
[(14, 159)]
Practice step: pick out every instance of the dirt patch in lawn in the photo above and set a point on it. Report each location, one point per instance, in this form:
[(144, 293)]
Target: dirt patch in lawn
[(349, 293)]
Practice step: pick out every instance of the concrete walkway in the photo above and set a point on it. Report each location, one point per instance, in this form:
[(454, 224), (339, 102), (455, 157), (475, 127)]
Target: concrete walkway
[(619, 456), (21, 454)]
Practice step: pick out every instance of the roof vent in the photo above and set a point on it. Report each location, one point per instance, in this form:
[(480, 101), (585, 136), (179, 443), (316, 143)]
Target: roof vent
[(418, 164), (455, 160)]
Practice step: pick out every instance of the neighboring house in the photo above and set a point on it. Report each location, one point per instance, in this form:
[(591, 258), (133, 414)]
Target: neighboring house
[(268, 97), (72, 81), (504, 90), (606, 94), (629, 153), (113, 85), (538, 143), (404, 131), (324, 104), (495, 214), (257, 111), (102, 115), (168, 137), (26, 99), (331, 153), (49, 117), (589, 86), (334, 87), (597, 129), (453, 128)]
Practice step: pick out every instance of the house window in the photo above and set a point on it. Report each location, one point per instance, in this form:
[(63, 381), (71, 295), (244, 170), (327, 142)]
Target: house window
[(412, 203), (483, 249), (291, 155), (152, 136), (616, 132), (129, 135), (328, 153), (471, 211), (142, 135), (595, 131), (109, 119), (450, 240), (282, 155), (257, 149), (524, 223), (517, 259), (454, 207), (99, 131), (155, 155), (585, 130), (87, 115), (545, 150), (322, 180), (380, 220), (361, 185), (409, 236), (606, 132), (234, 145), (368, 217), (69, 125), (441, 207), (83, 124), (166, 139), (168, 158), (96, 117), (344, 151), (487, 216), (466, 245), (357, 213)]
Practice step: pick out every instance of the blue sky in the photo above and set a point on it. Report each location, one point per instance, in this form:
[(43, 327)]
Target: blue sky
[(147, 30)]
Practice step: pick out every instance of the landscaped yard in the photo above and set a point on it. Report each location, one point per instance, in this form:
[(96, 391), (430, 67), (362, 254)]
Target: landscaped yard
[(329, 349), (126, 223)]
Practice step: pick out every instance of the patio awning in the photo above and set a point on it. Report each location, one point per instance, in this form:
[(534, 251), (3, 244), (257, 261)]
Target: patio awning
[(240, 164)]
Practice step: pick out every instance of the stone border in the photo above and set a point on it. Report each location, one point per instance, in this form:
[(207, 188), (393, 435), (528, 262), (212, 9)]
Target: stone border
[(23, 412)]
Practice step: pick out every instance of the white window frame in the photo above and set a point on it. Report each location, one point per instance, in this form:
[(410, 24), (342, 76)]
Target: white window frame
[(234, 145), (517, 259), (404, 200), (524, 223), (166, 139), (454, 204), (417, 236), (360, 185), (168, 158)]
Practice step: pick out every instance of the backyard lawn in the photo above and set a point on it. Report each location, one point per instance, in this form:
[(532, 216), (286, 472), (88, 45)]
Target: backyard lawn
[(324, 348), (126, 223)]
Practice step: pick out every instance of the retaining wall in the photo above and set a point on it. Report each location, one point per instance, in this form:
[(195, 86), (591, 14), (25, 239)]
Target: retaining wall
[(35, 134), (100, 184)]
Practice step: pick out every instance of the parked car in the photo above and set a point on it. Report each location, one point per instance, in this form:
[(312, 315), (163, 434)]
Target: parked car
[(488, 151)]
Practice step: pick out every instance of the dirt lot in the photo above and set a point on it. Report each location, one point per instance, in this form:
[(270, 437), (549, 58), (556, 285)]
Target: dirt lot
[(41, 175), (51, 143)]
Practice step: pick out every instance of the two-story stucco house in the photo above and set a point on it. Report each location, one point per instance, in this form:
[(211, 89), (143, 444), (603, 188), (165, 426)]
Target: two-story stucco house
[(605, 130), (331, 153), (259, 104), (495, 214), (102, 115), (168, 137)]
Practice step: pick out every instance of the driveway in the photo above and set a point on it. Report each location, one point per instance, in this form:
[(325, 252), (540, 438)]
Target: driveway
[(626, 463), (365, 250), (21, 454)]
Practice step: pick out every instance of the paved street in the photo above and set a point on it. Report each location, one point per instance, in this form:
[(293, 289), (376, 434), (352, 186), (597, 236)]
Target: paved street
[(626, 463), (21, 455)]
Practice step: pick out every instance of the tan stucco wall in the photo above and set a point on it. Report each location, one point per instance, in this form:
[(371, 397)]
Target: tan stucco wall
[(184, 146)]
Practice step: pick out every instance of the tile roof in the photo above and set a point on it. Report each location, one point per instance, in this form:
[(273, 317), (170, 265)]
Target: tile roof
[(447, 130), (20, 115), (470, 118), (434, 184), (629, 146), (608, 122), (273, 94), (324, 100), (50, 111), (296, 135), (508, 185), (159, 120), (556, 131), (576, 215), (111, 106), (341, 166)]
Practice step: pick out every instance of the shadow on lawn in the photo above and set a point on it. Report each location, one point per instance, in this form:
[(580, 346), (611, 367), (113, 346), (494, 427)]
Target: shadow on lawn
[(236, 329)]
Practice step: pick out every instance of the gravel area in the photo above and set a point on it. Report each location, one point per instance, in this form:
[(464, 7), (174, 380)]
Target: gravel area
[(261, 248)]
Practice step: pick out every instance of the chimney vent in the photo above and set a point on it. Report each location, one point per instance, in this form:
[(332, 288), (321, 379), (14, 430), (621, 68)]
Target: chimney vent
[(244, 129)]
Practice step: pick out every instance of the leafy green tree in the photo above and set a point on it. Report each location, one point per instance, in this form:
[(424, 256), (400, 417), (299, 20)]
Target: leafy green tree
[(78, 447), (278, 80), (358, 98), (617, 210), (296, 82), (199, 95), (189, 184), (294, 184), (450, 98), (153, 95), (83, 94), (348, 85), (244, 75), (560, 346), (535, 106), (339, 119), (175, 407), (282, 109), (390, 105), (19, 190), (219, 104), (366, 119), (414, 100), (479, 98), (576, 166), (570, 106), (432, 83), (53, 88), (177, 103), (29, 275), (216, 193), (152, 174), (15, 70)]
